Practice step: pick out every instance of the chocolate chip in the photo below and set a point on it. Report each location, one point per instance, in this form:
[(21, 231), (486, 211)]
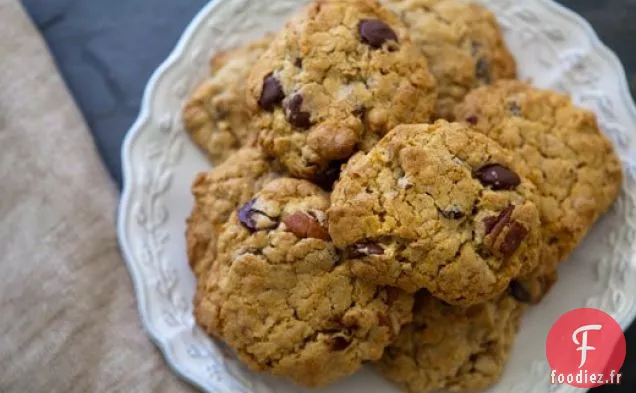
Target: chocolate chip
[(272, 93), (245, 216), (519, 292), (329, 176), (359, 111), (494, 225), (498, 177), (375, 32), (339, 343), (254, 219), (222, 113), (482, 70), (484, 251), (295, 115), (364, 249), (513, 239), (304, 225), (299, 62), (453, 213), (472, 119), (514, 109)]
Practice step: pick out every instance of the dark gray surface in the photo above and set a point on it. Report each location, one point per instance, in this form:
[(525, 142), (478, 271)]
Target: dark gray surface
[(107, 49)]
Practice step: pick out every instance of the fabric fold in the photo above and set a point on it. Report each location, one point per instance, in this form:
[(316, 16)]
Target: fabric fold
[(68, 315)]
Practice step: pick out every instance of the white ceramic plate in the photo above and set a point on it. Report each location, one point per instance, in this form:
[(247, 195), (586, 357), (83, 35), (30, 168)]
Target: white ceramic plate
[(554, 48)]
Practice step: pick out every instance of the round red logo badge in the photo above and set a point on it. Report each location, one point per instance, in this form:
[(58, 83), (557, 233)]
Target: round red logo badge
[(585, 349)]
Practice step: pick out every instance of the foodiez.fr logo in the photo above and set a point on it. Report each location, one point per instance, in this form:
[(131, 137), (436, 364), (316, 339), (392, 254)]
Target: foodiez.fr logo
[(585, 349)]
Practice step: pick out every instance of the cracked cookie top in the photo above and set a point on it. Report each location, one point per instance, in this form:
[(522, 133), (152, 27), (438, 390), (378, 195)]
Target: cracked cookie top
[(217, 193), (280, 297), (462, 43), (334, 80), (216, 114), (453, 348), (438, 207), (561, 150)]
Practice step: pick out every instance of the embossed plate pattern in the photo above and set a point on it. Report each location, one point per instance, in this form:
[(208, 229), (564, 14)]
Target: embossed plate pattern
[(554, 48)]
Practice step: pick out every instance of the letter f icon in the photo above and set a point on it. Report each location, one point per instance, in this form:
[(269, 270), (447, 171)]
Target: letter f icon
[(583, 345)]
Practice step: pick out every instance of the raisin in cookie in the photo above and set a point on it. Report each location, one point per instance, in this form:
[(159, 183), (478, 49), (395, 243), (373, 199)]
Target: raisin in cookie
[(534, 287), (462, 43), (437, 207), (453, 348), (573, 165), (280, 297), (216, 115), (337, 78), (217, 193)]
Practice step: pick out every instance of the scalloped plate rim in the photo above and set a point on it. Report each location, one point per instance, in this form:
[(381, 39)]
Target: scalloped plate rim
[(126, 150), (598, 46)]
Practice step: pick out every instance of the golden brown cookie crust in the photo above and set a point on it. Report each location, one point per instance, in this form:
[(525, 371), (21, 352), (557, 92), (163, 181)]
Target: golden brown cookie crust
[(280, 297), (337, 78), (453, 348), (217, 193), (216, 115), (417, 212), (560, 149), (462, 42), (533, 288)]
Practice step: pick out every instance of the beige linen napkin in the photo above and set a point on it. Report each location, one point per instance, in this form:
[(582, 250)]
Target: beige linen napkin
[(68, 317)]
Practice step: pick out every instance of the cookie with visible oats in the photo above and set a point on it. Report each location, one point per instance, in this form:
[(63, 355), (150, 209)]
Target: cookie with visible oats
[(216, 115), (560, 149), (462, 42), (453, 348), (438, 207), (279, 295), (217, 193), (335, 80)]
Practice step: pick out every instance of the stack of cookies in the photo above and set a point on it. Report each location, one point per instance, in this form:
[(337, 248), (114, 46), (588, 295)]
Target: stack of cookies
[(384, 191)]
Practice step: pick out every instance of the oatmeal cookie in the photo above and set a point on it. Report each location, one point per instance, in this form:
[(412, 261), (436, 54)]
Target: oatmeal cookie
[(573, 165), (216, 114), (438, 207), (462, 43), (453, 348), (217, 193), (337, 78), (280, 297)]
